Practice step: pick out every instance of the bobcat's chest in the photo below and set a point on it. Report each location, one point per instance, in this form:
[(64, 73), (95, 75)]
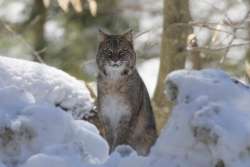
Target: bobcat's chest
[(114, 109)]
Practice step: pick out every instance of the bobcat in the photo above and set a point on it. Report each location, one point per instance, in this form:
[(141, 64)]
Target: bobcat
[(123, 103)]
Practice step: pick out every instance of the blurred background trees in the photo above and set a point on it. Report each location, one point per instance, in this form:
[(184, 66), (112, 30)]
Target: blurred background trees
[(169, 35), (61, 33)]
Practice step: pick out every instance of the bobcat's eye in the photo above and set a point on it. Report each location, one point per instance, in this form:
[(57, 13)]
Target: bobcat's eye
[(121, 54), (108, 53)]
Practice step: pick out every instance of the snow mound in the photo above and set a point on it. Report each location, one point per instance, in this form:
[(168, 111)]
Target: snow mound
[(46, 84), (38, 134), (212, 115), (209, 126)]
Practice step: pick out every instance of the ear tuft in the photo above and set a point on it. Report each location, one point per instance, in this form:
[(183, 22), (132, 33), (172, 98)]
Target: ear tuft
[(128, 35), (102, 35)]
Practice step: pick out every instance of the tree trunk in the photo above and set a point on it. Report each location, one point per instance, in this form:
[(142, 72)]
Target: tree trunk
[(247, 68), (196, 60), (38, 30), (173, 52), (247, 61)]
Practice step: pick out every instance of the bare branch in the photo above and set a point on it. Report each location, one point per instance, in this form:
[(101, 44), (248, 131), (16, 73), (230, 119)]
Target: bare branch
[(222, 48), (24, 41), (228, 48)]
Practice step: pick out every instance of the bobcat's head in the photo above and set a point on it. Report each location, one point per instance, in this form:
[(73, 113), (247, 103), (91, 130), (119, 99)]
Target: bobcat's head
[(116, 56)]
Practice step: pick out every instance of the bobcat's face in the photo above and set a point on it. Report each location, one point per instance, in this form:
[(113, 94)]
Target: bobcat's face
[(116, 56)]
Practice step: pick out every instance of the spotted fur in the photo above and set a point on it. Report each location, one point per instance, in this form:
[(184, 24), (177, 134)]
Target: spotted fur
[(123, 102)]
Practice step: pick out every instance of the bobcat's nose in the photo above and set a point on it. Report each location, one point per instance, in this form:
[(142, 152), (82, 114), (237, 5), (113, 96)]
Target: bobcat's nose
[(115, 59), (115, 63)]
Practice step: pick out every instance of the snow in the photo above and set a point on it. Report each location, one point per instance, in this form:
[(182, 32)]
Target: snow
[(36, 133), (46, 84), (219, 113), (235, 16), (148, 70), (209, 125), (33, 130)]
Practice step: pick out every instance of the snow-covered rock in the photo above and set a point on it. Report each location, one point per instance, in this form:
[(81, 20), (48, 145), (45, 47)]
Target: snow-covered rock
[(46, 84), (215, 110)]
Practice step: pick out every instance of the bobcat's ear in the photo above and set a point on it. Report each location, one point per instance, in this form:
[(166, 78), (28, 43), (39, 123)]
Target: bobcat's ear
[(102, 35), (128, 35)]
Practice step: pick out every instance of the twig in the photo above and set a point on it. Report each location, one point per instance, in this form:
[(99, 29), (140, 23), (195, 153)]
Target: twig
[(233, 36), (227, 49), (142, 33), (222, 48), (138, 35)]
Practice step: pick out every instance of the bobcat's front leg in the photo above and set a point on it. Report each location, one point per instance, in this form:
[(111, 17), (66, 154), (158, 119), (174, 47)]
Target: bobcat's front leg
[(107, 131), (122, 132)]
